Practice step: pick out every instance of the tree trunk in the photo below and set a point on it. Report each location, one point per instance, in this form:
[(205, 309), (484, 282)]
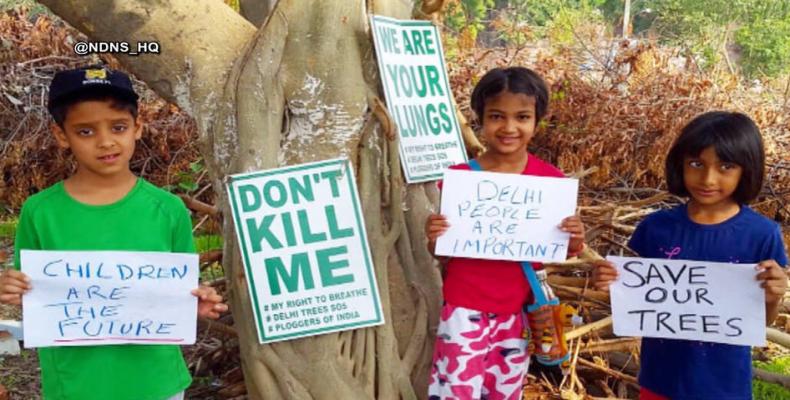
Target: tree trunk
[(256, 11), (305, 87)]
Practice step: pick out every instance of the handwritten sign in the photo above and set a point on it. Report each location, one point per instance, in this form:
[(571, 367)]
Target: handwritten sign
[(95, 298), (501, 216), (694, 300), (411, 64), (305, 250)]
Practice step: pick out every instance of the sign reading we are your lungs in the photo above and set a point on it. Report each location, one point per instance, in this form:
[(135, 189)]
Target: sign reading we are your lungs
[(411, 64), (305, 250)]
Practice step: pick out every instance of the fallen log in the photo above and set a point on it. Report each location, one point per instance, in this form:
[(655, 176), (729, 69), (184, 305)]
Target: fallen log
[(584, 329), (605, 346), (199, 206), (772, 377), (778, 337), (588, 294), (606, 389), (218, 327), (570, 265), (616, 374), (624, 362), (211, 256), (573, 281)]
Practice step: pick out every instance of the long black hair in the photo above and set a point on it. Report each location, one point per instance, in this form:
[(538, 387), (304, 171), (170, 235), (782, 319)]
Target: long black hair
[(735, 138)]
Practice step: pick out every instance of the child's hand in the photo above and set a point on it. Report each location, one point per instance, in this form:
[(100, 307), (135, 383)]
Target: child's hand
[(13, 284), (436, 225), (774, 281), (604, 273), (209, 302), (575, 227)]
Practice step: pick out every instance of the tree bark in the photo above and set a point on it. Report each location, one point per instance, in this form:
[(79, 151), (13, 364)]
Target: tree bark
[(304, 87), (200, 41), (256, 11)]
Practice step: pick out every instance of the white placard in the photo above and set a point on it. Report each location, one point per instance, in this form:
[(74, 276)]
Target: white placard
[(694, 300), (90, 298), (305, 250), (500, 216), (419, 98)]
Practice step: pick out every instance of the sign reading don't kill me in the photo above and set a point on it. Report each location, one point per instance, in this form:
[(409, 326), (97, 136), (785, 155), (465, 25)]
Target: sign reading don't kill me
[(411, 64), (305, 251)]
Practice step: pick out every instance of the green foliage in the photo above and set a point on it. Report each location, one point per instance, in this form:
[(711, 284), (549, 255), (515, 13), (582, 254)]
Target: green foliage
[(766, 47), (187, 181), (34, 7), (564, 28), (212, 272), (204, 243), (544, 13), (8, 228), (517, 22), (469, 15), (552, 19), (757, 30), (760, 28), (771, 391)]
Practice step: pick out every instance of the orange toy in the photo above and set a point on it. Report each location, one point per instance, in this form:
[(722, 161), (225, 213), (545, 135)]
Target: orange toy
[(547, 320)]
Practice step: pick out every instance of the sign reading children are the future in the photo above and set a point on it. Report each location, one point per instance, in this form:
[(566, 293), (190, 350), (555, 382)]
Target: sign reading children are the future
[(90, 298), (305, 250), (500, 216), (693, 300), (411, 64)]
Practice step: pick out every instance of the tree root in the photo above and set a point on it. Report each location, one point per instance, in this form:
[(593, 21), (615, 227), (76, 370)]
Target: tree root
[(419, 333)]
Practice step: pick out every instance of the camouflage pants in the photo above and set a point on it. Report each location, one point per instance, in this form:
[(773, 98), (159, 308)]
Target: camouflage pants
[(478, 356)]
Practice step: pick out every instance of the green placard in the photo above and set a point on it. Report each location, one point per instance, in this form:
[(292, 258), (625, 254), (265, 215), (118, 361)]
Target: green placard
[(412, 69), (305, 250)]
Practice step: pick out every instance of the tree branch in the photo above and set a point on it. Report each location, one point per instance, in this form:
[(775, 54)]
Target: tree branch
[(200, 47)]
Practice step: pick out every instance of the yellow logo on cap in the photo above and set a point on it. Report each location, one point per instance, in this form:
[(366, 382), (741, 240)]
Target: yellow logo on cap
[(95, 74)]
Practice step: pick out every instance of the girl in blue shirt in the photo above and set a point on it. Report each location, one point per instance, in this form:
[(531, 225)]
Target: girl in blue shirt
[(718, 162)]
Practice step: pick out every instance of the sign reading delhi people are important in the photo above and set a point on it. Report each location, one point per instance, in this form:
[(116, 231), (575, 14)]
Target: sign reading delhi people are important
[(305, 250), (90, 298), (694, 300), (502, 216), (411, 63)]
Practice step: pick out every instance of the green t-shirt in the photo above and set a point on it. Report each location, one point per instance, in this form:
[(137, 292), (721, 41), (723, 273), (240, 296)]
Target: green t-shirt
[(146, 219)]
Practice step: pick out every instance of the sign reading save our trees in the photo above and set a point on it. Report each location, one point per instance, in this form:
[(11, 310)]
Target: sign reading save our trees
[(90, 298), (411, 64), (501, 216), (694, 300), (305, 251)]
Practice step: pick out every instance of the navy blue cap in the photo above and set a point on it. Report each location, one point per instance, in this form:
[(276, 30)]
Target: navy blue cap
[(69, 83)]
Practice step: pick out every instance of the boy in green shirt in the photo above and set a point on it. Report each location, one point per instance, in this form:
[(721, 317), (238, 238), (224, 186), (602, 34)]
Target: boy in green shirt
[(104, 206)]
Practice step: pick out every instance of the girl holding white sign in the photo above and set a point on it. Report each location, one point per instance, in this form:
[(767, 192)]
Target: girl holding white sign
[(480, 349), (718, 162)]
